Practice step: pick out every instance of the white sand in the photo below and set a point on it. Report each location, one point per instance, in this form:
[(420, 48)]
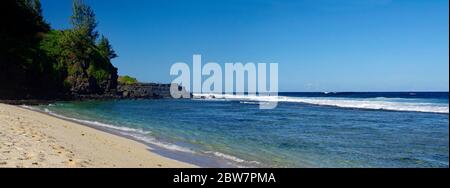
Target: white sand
[(33, 139)]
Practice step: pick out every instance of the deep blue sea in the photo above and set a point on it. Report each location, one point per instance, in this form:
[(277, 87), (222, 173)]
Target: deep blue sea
[(394, 129)]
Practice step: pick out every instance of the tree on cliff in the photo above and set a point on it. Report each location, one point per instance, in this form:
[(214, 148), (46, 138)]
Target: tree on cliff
[(89, 70), (83, 20), (106, 49), (81, 38)]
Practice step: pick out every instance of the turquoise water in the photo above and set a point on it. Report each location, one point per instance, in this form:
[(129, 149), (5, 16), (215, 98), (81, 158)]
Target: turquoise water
[(305, 130)]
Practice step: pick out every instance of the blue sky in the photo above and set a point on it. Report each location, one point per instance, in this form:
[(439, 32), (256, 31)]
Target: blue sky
[(358, 45)]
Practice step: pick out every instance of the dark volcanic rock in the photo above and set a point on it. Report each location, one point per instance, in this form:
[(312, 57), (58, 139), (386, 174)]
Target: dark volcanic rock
[(145, 91), (83, 84)]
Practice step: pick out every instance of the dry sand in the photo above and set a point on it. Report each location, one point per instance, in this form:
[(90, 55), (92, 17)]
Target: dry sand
[(33, 139)]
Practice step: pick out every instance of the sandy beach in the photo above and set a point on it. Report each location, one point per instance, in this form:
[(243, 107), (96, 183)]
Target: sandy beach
[(33, 139)]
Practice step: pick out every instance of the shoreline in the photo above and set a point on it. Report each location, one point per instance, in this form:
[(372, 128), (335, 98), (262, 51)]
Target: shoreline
[(189, 157), (34, 139)]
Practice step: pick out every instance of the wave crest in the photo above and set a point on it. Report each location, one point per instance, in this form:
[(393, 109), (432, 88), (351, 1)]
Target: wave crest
[(364, 103)]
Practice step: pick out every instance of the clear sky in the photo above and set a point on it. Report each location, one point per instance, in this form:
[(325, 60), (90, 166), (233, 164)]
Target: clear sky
[(348, 45)]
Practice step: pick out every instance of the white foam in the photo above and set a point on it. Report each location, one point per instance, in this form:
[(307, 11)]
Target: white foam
[(245, 102), (153, 141), (96, 123), (28, 107), (368, 103), (375, 105), (230, 157)]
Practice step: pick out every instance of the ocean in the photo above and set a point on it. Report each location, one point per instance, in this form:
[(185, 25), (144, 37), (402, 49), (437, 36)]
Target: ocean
[(344, 129)]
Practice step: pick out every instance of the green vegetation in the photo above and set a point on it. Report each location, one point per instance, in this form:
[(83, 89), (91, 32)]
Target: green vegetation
[(38, 62), (127, 80)]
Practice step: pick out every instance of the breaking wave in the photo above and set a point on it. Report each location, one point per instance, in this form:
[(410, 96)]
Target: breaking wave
[(378, 103)]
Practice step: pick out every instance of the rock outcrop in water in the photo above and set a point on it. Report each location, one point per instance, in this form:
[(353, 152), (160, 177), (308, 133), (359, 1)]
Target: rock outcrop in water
[(145, 90)]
